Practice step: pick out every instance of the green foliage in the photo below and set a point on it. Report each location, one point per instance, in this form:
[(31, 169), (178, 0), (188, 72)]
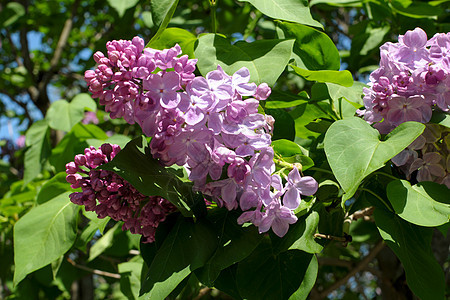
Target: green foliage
[(288, 10), (424, 204), (63, 115), (354, 149), (411, 244), (135, 164), (178, 256), (38, 141), (53, 234), (265, 59)]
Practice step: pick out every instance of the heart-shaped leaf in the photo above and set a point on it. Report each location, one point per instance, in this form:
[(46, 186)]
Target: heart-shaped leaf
[(354, 149), (423, 204), (63, 115), (265, 59)]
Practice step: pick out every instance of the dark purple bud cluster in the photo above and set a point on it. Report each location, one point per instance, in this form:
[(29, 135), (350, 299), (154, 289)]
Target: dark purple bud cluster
[(107, 194)]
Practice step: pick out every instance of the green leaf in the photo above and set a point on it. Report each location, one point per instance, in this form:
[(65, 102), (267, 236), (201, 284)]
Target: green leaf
[(103, 243), (263, 275), (287, 10), (63, 115), (38, 140), (11, 13), (354, 149), (162, 11), (171, 36), (52, 188), (265, 59), (308, 281), (300, 236), (122, 5), (135, 164), (179, 255), (44, 234), (291, 152), (284, 128), (343, 78), (411, 244), (117, 139), (235, 243), (416, 9), (346, 99), (74, 143), (340, 3), (441, 118), (313, 49), (424, 204), (83, 101), (278, 99), (130, 277)]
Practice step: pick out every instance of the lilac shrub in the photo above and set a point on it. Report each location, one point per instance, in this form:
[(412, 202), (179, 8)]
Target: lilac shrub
[(210, 125), (413, 80), (107, 194)]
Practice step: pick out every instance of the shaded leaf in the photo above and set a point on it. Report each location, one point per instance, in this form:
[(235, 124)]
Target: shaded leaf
[(179, 255), (424, 204), (314, 50), (411, 244), (235, 243), (135, 164)]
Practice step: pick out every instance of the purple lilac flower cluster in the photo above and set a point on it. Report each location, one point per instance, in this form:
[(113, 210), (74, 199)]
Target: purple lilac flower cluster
[(428, 155), (107, 194), (210, 125), (413, 77)]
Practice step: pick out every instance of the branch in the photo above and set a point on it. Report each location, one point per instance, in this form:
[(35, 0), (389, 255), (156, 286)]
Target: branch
[(59, 49), (21, 104), (359, 267), (368, 211), (14, 49), (94, 271), (344, 239), (28, 63)]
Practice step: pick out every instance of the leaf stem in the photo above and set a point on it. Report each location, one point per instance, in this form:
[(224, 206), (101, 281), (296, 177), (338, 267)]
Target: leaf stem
[(378, 197), (320, 170), (385, 174), (213, 5)]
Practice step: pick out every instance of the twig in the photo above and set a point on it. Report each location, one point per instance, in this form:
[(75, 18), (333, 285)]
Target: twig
[(328, 261), (59, 49), (21, 104), (94, 271), (368, 211), (344, 239), (359, 267)]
